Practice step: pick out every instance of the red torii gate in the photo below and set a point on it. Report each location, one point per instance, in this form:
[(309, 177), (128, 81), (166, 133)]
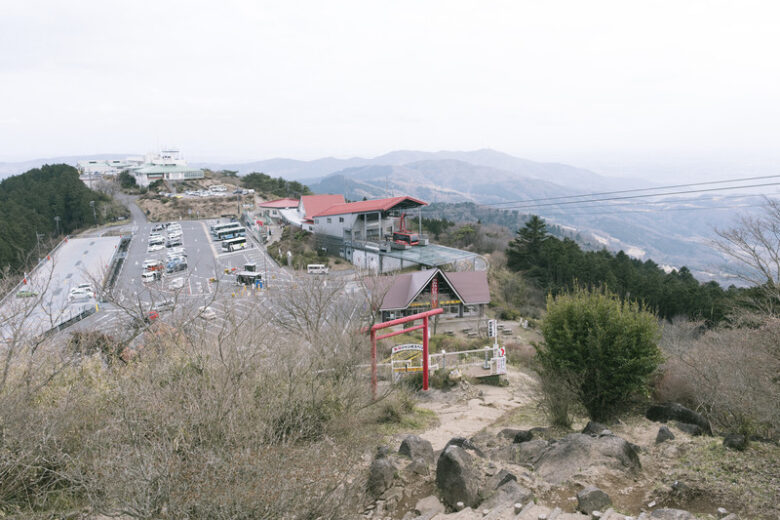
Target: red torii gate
[(424, 326)]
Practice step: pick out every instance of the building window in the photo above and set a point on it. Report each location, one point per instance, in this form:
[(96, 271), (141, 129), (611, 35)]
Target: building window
[(328, 220), (341, 219), (316, 221)]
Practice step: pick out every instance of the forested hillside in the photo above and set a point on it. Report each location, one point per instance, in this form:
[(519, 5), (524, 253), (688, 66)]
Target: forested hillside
[(267, 185), (30, 203), (556, 265)]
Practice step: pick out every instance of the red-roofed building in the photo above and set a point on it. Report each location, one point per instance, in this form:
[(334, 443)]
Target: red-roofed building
[(280, 203), (458, 293), (272, 208), (310, 205), (368, 220)]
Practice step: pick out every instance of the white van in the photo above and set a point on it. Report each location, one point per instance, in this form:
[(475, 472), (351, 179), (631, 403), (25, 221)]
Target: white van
[(151, 276), (316, 269)]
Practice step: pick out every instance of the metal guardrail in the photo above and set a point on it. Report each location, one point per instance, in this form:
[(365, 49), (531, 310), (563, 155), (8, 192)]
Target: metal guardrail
[(71, 321), (41, 261)]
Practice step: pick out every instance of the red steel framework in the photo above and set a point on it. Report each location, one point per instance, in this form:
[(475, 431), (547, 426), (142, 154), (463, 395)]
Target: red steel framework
[(424, 326)]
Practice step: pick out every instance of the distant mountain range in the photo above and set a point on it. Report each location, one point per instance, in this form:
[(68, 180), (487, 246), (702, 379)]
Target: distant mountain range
[(671, 231)]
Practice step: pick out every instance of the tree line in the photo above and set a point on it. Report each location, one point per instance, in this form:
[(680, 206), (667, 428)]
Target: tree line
[(559, 265), (43, 203), (278, 187)]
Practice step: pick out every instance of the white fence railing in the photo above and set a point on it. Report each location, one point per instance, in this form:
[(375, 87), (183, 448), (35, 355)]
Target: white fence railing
[(489, 358)]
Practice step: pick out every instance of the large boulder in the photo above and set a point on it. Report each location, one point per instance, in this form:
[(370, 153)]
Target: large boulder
[(671, 514), (664, 434), (380, 474), (510, 492), (523, 436), (691, 429), (677, 412), (592, 499), (464, 443), (509, 433), (593, 428), (456, 477), (416, 447), (735, 441), (576, 452), (525, 453)]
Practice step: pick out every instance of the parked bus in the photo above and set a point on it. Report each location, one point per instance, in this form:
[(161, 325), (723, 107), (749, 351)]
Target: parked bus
[(234, 244), (227, 234), (226, 225)]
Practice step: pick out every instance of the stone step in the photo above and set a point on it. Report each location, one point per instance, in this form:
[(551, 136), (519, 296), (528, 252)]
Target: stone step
[(572, 516), (609, 514), (533, 512), (501, 512)]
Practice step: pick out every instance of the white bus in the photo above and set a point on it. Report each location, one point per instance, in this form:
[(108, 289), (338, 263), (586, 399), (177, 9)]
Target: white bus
[(216, 228), (234, 244), (227, 234)]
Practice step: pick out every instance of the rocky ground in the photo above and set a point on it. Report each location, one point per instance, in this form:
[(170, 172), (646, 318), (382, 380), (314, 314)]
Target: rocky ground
[(164, 209), (492, 456)]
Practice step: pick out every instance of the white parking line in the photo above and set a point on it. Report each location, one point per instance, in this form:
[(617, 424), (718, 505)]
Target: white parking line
[(211, 244)]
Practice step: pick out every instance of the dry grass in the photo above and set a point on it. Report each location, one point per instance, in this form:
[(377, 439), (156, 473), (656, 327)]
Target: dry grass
[(244, 425), (731, 375)]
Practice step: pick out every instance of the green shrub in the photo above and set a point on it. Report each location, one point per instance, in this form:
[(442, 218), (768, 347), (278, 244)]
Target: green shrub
[(607, 345), (508, 314)]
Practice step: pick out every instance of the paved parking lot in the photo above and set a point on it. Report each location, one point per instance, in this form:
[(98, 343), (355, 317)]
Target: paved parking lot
[(204, 281), (76, 261)]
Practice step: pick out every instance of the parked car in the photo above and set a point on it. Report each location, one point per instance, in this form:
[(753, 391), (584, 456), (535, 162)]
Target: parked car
[(175, 266), (153, 265), (173, 242), (85, 287), (154, 247), (79, 295), (26, 293), (206, 313), (151, 276)]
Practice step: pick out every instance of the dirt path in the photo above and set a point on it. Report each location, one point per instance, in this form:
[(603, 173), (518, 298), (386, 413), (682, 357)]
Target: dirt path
[(464, 412)]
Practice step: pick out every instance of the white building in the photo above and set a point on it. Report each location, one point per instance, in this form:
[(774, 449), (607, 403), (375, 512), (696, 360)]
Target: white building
[(94, 167), (166, 165)]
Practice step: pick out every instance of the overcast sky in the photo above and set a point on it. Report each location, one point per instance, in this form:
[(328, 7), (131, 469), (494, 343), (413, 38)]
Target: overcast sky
[(573, 81)]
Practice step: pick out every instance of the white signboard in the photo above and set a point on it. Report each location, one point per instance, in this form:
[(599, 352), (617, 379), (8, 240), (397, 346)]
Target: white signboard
[(492, 328), (407, 346), (500, 364)]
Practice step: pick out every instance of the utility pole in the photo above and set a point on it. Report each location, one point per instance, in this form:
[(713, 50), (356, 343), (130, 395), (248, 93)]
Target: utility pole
[(57, 221), (38, 237), (94, 214)]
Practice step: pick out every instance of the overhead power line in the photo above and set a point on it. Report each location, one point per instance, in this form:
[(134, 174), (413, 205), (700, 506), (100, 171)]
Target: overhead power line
[(634, 190), (581, 203), (627, 197)]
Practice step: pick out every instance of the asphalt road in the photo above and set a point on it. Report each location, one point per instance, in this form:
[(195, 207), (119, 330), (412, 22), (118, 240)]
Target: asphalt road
[(76, 261)]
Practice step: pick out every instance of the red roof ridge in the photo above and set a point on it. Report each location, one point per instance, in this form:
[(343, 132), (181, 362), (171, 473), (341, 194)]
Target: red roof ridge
[(365, 205)]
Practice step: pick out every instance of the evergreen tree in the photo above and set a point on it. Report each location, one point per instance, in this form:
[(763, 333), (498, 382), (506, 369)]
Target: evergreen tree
[(524, 251)]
